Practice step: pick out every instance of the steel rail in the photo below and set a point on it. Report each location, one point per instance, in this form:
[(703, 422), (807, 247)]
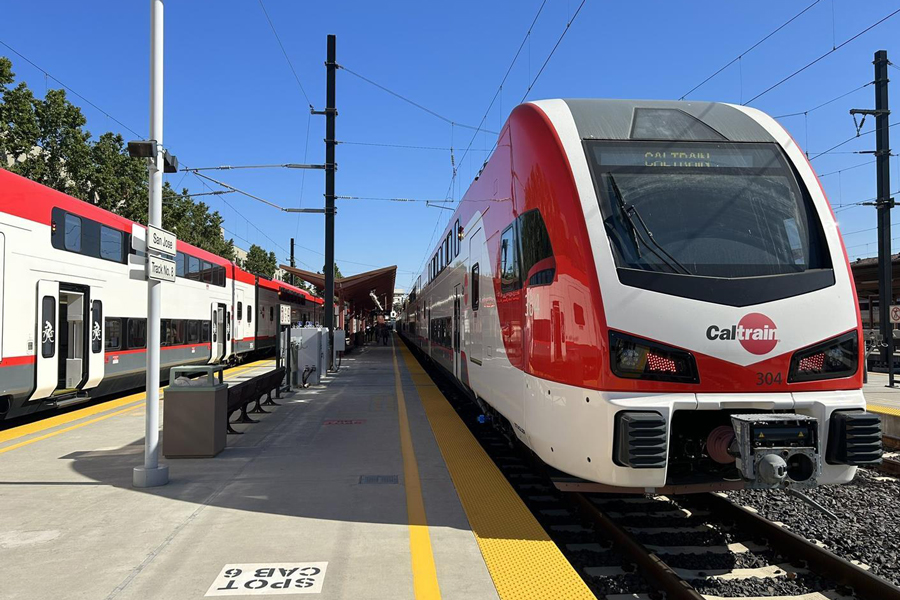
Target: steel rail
[(653, 567), (866, 585)]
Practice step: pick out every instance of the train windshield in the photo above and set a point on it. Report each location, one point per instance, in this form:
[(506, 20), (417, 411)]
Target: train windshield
[(706, 209)]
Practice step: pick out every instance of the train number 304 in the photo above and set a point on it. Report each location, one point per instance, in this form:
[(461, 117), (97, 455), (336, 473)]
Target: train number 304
[(768, 378)]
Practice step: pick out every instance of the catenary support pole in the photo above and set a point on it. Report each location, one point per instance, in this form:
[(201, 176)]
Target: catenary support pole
[(293, 277), (152, 473), (884, 203), (330, 114)]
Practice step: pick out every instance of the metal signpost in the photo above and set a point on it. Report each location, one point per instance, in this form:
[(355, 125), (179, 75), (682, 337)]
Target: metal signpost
[(152, 473)]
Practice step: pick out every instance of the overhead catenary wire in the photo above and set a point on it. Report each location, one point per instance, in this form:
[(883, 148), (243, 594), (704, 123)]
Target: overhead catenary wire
[(815, 108), (553, 51), (51, 76), (412, 102), (811, 63), (283, 51), (441, 148), (748, 50), (847, 141)]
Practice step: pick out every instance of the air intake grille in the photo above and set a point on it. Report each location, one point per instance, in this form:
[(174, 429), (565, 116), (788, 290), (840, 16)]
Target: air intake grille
[(640, 440), (854, 438)]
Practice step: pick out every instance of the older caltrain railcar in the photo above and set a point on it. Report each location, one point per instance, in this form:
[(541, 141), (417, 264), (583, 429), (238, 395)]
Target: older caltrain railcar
[(652, 295), (73, 322)]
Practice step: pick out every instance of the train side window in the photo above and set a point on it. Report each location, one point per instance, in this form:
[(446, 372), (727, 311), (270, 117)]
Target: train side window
[(165, 332), (206, 270), (271, 313), (536, 249), (219, 276), (249, 314), (193, 332), (113, 333), (137, 333), (447, 248), (240, 310), (180, 267), (204, 332), (509, 261), (456, 240), (111, 243), (475, 286), (193, 268), (96, 324), (73, 233)]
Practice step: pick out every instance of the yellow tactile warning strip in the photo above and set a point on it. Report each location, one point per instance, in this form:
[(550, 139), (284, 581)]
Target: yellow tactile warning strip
[(131, 402), (885, 410), (425, 583), (522, 560)]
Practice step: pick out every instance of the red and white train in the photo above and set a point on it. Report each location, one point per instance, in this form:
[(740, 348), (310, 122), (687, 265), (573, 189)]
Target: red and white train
[(652, 295), (73, 321)]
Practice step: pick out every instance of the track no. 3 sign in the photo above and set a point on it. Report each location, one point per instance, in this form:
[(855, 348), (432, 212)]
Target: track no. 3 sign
[(258, 579)]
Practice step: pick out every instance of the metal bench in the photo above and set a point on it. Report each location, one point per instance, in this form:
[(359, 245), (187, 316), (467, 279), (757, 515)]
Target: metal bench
[(244, 393)]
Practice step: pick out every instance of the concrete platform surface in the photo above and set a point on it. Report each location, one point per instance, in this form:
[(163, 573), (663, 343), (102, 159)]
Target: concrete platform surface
[(314, 499), (885, 401)]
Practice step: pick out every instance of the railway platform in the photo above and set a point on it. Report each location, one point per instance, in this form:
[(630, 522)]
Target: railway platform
[(886, 402), (366, 486)]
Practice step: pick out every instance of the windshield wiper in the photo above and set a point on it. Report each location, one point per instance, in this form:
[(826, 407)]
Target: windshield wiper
[(629, 211)]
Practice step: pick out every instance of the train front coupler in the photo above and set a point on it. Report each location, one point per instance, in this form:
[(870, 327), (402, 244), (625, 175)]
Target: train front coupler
[(776, 450)]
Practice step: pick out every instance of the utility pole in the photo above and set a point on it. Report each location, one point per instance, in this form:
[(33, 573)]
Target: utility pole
[(293, 281), (152, 473), (883, 203), (330, 114)]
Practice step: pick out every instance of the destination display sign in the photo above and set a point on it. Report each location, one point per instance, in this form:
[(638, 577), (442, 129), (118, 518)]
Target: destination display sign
[(160, 240), (160, 269), (697, 156)]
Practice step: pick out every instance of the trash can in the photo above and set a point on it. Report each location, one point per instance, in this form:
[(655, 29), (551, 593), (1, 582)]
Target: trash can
[(196, 412)]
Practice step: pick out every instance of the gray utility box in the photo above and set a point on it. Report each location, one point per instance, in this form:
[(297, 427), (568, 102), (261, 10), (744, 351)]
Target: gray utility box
[(196, 411), (309, 350)]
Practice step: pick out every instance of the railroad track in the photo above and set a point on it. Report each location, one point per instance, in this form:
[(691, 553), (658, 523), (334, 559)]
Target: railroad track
[(649, 547)]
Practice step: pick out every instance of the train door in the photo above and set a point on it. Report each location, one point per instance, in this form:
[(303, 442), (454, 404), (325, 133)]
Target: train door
[(241, 316), (71, 338), (475, 330), (95, 350), (456, 337), (46, 371), (217, 339), (2, 267)]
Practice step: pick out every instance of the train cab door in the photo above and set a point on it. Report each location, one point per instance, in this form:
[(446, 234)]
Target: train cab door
[(46, 370), (456, 334), (95, 350), (218, 336)]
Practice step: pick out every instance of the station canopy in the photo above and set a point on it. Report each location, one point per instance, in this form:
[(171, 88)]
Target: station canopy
[(356, 290)]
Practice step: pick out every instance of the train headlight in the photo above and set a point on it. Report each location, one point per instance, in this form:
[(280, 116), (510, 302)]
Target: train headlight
[(636, 358), (837, 357)]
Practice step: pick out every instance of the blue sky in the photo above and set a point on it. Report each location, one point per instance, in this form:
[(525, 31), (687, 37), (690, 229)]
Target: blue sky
[(231, 98)]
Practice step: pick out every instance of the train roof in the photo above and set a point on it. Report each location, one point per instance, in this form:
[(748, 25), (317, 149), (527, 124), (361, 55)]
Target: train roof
[(605, 119)]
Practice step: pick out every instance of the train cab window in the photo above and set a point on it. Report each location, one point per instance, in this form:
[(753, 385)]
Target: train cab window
[(73, 233), (509, 261), (476, 271), (240, 314), (249, 314), (137, 333), (193, 268), (536, 249), (180, 264), (113, 334), (204, 332), (111, 243)]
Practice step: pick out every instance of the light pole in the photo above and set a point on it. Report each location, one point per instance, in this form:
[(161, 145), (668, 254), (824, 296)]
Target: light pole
[(152, 473)]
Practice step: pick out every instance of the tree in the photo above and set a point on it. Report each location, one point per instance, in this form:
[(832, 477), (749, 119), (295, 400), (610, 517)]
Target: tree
[(45, 140), (337, 271), (260, 263)]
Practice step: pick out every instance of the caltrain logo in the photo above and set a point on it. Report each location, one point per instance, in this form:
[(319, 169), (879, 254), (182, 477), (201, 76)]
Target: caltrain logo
[(756, 333), (96, 332)]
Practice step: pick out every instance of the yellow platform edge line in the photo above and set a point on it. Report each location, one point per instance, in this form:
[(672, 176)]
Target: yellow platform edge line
[(885, 410), (522, 560), (67, 429), (69, 417), (425, 583)]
